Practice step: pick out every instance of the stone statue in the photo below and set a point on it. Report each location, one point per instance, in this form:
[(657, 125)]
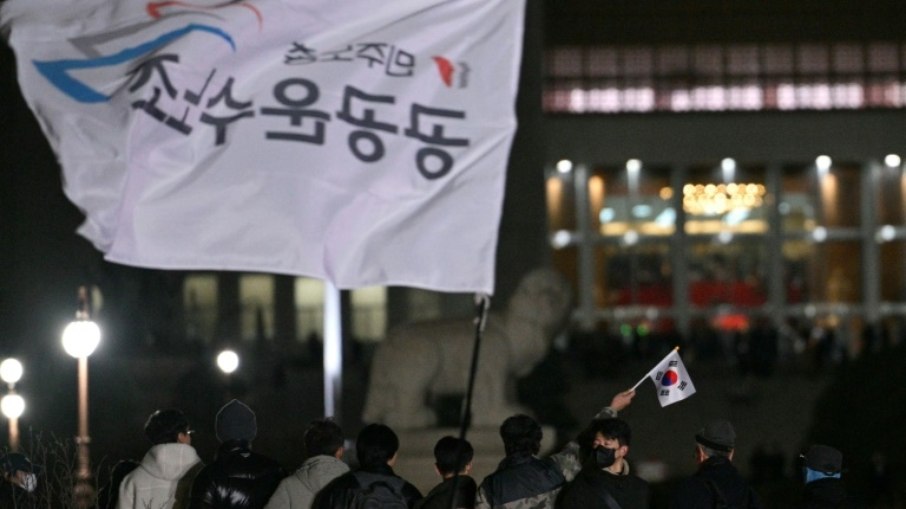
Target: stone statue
[(420, 359)]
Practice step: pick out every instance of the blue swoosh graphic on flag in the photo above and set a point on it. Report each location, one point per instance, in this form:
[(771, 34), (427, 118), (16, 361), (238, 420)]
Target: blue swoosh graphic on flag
[(57, 71)]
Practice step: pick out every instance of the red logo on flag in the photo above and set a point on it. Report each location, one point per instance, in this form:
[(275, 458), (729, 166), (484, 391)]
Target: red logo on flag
[(445, 68)]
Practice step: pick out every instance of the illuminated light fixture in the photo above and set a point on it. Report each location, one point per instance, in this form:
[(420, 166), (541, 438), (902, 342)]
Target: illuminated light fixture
[(631, 237), (560, 239), (564, 166), (228, 361), (633, 165), (724, 237), (823, 163), (665, 193), (666, 218), (606, 215), (719, 199), (641, 210), (886, 233), (892, 160), (11, 371), (819, 234), (728, 164)]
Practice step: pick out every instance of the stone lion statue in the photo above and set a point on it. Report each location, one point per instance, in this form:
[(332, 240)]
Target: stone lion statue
[(420, 359)]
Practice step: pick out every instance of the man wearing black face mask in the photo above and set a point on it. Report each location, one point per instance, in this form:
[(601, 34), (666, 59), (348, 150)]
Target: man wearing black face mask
[(605, 480)]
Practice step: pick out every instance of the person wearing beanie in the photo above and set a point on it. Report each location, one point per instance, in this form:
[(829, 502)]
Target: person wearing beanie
[(164, 476), (716, 483), (823, 467), (237, 478)]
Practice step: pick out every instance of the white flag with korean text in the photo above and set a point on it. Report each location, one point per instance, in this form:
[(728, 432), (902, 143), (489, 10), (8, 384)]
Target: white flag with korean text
[(671, 380), (358, 142)]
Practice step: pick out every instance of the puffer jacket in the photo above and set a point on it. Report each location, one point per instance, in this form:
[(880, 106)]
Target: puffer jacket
[(299, 489), (162, 479), (521, 481), (237, 479)]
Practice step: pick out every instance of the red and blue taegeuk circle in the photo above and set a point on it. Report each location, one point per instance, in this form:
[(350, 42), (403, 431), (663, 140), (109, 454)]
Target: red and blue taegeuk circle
[(670, 378)]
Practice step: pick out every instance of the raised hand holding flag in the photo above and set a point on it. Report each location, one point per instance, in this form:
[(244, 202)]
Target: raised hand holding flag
[(671, 380)]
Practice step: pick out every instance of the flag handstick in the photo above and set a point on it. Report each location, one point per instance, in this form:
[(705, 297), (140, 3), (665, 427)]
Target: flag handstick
[(675, 349)]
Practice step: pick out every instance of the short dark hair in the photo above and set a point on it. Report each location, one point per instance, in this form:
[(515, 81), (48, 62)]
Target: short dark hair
[(375, 445), (164, 426), (610, 427), (323, 436), (521, 434), (452, 454)]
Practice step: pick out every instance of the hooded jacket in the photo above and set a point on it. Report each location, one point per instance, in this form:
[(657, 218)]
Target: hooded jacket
[(162, 480), (299, 489)]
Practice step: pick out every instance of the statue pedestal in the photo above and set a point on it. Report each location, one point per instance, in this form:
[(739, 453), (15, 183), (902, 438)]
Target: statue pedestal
[(415, 462)]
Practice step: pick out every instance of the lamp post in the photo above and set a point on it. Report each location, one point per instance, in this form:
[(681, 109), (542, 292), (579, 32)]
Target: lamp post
[(80, 338), (12, 405)]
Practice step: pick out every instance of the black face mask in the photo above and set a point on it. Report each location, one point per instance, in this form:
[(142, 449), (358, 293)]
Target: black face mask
[(602, 457)]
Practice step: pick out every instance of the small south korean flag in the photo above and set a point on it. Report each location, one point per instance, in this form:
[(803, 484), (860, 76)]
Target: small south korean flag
[(671, 380)]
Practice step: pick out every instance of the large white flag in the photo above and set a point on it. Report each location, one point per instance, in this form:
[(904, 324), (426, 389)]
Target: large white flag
[(356, 141), (671, 380)]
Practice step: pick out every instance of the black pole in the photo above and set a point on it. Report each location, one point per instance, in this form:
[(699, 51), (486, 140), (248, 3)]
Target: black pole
[(482, 303)]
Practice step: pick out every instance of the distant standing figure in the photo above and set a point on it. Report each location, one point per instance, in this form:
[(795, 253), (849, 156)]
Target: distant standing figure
[(453, 463), (373, 484), (823, 484), (164, 476), (324, 450), (716, 483), (238, 478)]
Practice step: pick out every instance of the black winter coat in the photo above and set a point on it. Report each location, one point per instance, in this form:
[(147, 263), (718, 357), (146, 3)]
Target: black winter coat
[(340, 492), (439, 496), (715, 474), (826, 493), (584, 492), (237, 479)]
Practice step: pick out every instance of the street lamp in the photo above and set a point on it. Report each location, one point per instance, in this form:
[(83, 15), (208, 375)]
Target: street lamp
[(228, 361), (12, 405), (80, 338)]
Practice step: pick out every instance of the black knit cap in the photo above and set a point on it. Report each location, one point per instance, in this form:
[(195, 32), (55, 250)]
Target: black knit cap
[(236, 421)]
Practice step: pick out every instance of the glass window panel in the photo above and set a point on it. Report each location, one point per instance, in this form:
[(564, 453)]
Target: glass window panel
[(672, 61), (561, 204), (309, 308), (848, 58), (812, 59), (200, 298), (799, 206), (835, 272), (893, 283), (891, 192), (743, 60), (840, 197), (778, 59), (256, 298), (603, 62), (638, 62), (637, 275), (565, 62), (369, 312), (621, 202), (727, 271), (882, 57)]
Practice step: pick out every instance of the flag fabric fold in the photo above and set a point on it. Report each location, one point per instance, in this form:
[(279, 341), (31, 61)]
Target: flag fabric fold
[(327, 139), (671, 380)]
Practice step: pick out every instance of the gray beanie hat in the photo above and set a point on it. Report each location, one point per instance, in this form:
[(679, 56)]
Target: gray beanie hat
[(235, 421)]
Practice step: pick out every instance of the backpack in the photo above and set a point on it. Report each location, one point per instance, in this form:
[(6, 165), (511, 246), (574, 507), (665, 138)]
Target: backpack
[(378, 492)]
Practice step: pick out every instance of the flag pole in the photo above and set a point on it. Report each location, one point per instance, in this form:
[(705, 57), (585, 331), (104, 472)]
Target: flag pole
[(675, 349)]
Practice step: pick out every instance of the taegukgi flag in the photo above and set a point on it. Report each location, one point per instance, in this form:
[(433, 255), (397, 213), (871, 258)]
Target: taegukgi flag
[(671, 379), (359, 142)]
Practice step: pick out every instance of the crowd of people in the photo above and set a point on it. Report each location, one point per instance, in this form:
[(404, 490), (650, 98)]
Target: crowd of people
[(591, 471)]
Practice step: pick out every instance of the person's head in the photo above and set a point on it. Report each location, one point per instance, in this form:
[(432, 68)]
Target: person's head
[(376, 445), (168, 426), (716, 439), (612, 434), (453, 456), (235, 421), (323, 437), (18, 470), (521, 435), (822, 461)]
